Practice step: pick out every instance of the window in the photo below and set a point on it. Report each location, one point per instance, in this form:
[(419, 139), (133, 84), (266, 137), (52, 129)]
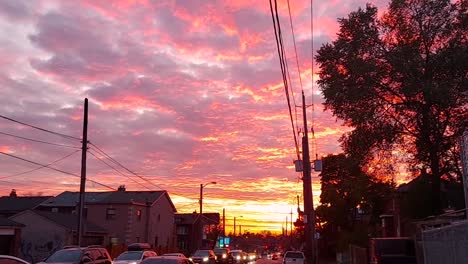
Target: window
[(182, 230), (137, 239), (159, 218), (156, 241), (138, 213), (110, 213)]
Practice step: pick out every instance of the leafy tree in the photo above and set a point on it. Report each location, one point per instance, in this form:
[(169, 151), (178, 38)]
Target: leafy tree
[(351, 202), (401, 80)]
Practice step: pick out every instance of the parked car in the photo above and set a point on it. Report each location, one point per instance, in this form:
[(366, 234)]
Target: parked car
[(167, 260), (223, 255), (73, 254), (293, 257), (6, 259), (205, 256)]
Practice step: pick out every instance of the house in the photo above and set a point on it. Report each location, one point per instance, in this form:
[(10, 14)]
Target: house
[(129, 216), (45, 232), (13, 204), (192, 230), (10, 236)]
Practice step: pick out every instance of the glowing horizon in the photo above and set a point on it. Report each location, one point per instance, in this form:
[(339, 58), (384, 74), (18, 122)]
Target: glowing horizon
[(182, 93)]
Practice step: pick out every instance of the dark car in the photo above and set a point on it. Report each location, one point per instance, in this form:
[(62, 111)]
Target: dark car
[(80, 255), (223, 255), (204, 256), (239, 256)]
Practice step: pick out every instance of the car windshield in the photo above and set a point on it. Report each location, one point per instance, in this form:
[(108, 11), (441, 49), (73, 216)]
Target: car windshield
[(130, 255), (235, 253), (65, 256), (201, 253), (220, 251), (294, 255)]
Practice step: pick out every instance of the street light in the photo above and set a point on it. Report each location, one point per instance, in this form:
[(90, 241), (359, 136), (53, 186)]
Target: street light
[(201, 195), (235, 224)]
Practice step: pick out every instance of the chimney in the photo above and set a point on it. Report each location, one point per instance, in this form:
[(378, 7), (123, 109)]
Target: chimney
[(121, 188), (13, 193)]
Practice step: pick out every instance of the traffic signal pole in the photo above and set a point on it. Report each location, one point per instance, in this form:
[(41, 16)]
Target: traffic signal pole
[(309, 212)]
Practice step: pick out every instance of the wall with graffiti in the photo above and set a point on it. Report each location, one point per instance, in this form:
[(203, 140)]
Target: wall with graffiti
[(40, 237)]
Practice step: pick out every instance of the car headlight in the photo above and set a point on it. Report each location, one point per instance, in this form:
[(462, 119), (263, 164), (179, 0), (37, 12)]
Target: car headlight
[(238, 257), (190, 259), (224, 256), (132, 262), (205, 259)]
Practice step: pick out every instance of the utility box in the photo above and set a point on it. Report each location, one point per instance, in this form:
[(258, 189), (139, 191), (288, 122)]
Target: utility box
[(317, 165)]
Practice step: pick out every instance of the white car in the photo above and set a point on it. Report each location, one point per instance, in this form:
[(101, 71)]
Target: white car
[(293, 257), (134, 257), (12, 260)]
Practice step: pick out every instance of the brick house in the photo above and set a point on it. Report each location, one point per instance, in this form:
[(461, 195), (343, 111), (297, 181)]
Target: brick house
[(129, 216), (191, 230)]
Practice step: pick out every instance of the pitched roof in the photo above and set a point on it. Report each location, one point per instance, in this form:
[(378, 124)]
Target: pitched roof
[(69, 221), (115, 197), (186, 219), (191, 218), (9, 223), (10, 204)]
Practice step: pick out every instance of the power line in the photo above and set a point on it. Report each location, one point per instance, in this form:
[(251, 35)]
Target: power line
[(110, 166), (279, 46), (39, 128), (52, 168), (125, 168), (295, 48), (41, 167), (39, 141)]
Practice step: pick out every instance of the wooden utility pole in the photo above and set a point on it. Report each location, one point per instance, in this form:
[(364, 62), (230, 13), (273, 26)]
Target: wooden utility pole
[(84, 148), (309, 213)]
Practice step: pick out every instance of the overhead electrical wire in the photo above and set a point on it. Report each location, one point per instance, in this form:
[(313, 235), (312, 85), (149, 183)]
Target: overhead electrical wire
[(279, 46), (122, 166), (41, 129), (41, 167), (55, 169), (40, 141), (112, 167)]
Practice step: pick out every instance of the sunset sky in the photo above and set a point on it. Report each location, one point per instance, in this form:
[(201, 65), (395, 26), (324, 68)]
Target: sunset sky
[(180, 92)]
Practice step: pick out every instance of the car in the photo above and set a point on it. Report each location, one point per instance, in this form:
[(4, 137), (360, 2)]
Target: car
[(204, 256), (167, 260), (74, 254), (135, 254), (239, 256), (293, 257), (252, 256), (174, 255), (6, 259), (223, 255)]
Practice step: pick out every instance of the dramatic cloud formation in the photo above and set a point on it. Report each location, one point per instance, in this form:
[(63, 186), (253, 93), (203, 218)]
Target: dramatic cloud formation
[(180, 92)]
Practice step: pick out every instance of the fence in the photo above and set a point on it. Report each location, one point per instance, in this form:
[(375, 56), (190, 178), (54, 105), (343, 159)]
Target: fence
[(446, 244)]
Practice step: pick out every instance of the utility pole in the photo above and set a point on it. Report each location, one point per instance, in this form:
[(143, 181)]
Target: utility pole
[(234, 226), (291, 234), (201, 199), (84, 148), (309, 213), (224, 223)]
